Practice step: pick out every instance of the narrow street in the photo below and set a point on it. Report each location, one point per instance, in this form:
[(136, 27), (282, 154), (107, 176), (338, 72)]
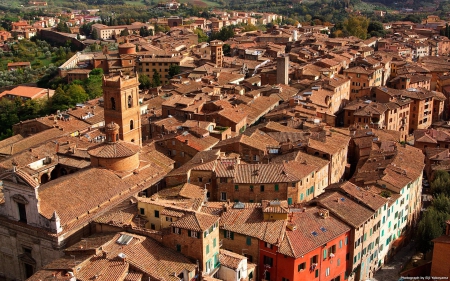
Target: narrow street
[(391, 271)]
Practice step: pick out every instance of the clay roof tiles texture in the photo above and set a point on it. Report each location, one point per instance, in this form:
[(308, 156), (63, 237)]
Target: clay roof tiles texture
[(196, 221), (298, 242), (347, 210), (229, 259), (114, 150), (250, 221), (369, 198)]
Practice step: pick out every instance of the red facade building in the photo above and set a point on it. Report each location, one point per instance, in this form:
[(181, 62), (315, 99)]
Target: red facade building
[(314, 247)]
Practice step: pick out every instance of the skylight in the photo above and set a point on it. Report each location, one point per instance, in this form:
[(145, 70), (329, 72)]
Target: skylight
[(124, 239)]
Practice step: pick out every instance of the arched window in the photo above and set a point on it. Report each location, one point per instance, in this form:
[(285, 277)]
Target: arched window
[(130, 101), (131, 125), (113, 104)]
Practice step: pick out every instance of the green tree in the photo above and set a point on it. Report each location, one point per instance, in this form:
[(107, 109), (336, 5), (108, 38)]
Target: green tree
[(357, 26), (62, 27), (124, 32), (77, 94), (174, 69), (430, 227), (8, 117), (145, 82), (94, 34), (202, 37), (224, 34), (93, 85), (441, 183), (226, 50), (249, 27), (156, 79), (60, 100), (376, 29)]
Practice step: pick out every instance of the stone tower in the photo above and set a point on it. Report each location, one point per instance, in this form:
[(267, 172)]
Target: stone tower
[(283, 69), (121, 103), (216, 52)]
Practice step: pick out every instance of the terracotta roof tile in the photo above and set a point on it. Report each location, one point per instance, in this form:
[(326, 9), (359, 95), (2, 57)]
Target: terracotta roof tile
[(31, 141), (196, 143), (114, 150), (301, 241), (250, 221), (229, 259), (196, 221), (345, 208)]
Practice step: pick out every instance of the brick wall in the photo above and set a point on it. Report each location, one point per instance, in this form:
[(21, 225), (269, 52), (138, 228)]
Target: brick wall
[(117, 164), (240, 246)]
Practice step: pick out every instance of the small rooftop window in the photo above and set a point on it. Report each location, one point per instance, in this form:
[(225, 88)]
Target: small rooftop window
[(124, 239)]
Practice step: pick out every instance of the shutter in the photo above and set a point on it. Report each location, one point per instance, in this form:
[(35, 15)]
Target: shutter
[(224, 233), (199, 234), (290, 200), (189, 233), (249, 240), (232, 235), (173, 229)]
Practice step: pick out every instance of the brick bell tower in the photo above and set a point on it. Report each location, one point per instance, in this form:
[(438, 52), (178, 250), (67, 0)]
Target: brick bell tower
[(217, 52), (121, 103)]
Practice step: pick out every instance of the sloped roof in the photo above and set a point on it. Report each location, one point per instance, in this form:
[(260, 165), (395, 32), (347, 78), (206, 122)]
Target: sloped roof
[(117, 149), (301, 241), (196, 221)]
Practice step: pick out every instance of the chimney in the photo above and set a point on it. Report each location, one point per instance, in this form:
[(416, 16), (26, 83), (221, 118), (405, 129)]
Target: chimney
[(186, 142)]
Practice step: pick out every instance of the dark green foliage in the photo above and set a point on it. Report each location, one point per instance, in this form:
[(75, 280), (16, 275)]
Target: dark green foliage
[(376, 29), (224, 34), (441, 183), (8, 117), (413, 18), (144, 32), (226, 50), (62, 27), (156, 79), (174, 70), (202, 37), (94, 34), (145, 82), (432, 224), (93, 85)]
